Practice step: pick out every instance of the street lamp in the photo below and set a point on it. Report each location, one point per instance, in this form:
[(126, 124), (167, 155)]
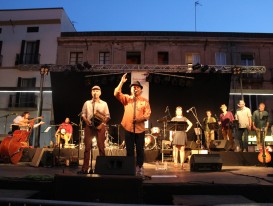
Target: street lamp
[(43, 71)]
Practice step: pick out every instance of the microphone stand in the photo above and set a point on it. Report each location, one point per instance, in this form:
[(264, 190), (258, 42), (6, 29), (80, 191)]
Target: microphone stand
[(93, 127), (80, 139), (198, 125)]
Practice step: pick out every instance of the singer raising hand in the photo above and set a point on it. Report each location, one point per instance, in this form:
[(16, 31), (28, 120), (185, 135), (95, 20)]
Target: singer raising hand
[(136, 111)]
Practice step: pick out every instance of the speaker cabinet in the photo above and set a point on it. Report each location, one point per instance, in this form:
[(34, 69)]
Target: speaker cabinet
[(206, 162), (220, 145), (115, 165)]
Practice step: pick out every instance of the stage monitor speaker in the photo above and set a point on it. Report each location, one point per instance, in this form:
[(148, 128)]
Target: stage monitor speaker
[(206, 162), (115, 165), (220, 145)]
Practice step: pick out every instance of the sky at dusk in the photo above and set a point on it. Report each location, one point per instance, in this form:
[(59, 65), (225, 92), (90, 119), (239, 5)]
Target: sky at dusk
[(160, 15)]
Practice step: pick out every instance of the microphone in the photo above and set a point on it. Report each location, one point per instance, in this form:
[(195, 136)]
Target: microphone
[(190, 109), (167, 108), (73, 123)]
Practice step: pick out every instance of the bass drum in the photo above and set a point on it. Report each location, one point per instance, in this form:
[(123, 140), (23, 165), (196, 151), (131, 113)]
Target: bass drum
[(150, 142)]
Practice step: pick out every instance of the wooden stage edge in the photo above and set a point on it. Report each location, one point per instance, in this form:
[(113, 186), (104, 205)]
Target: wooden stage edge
[(228, 158)]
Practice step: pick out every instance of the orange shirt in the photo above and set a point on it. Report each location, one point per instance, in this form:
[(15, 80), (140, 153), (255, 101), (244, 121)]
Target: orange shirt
[(143, 112)]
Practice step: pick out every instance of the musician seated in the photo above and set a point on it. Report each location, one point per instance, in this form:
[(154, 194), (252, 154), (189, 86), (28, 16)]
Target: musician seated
[(64, 133)]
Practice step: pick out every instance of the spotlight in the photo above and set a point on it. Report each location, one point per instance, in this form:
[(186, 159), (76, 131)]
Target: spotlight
[(86, 65), (157, 79), (196, 66), (236, 70), (80, 67), (149, 78), (204, 68), (212, 70)]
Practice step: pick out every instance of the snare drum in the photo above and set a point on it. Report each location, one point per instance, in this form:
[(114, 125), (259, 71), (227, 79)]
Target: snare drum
[(150, 141), (155, 131)]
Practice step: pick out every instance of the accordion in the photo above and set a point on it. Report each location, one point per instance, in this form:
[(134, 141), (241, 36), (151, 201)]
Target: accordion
[(97, 119)]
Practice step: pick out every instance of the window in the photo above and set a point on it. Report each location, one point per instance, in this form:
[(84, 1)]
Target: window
[(104, 58), (1, 56), (133, 58), (193, 58), (33, 29), (220, 58), (29, 53), (76, 58), (163, 58), (247, 59), (25, 99)]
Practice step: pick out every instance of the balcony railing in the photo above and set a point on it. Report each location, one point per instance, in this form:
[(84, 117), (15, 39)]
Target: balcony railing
[(23, 100), (27, 59)]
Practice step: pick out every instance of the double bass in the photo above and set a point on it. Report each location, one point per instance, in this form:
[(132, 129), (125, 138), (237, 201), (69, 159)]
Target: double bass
[(264, 156), (13, 145)]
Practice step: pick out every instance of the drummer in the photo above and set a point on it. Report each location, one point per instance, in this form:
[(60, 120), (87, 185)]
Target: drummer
[(64, 133)]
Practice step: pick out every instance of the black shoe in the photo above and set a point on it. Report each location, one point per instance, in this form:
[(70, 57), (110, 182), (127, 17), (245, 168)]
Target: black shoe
[(82, 172)]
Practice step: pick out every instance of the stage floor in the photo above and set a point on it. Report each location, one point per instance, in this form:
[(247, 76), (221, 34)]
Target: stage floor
[(164, 186)]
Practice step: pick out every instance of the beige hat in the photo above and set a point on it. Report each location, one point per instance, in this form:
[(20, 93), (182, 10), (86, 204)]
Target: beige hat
[(96, 87), (223, 106)]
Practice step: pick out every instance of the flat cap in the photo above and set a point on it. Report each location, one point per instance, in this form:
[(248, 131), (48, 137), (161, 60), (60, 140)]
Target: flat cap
[(96, 87)]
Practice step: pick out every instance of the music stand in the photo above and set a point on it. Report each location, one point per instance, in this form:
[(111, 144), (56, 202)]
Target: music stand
[(213, 125), (178, 125)]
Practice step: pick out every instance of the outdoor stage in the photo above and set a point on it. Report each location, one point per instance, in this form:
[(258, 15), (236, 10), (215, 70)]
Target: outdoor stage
[(241, 179)]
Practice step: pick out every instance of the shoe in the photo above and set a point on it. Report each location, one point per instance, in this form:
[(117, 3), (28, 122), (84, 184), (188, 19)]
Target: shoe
[(244, 150), (82, 172), (175, 165), (183, 167), (139, 171)]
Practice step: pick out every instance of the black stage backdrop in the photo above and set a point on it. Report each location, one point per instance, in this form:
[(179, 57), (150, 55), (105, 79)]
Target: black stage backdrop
[(206, 92)]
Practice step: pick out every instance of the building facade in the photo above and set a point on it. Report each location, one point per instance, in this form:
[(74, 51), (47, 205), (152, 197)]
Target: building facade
[(28, 39)]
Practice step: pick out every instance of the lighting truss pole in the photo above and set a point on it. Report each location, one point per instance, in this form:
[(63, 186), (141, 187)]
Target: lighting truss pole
[(196, 3), (43, 71)]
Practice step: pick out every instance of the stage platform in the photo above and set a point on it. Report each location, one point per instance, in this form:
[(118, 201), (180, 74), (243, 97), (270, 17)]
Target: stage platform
[(242, 179)]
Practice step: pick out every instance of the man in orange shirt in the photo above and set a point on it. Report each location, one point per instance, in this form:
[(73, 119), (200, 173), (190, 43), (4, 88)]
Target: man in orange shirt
[(136, 111)]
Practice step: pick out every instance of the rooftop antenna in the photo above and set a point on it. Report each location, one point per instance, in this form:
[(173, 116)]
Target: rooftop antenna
[(196, 3)]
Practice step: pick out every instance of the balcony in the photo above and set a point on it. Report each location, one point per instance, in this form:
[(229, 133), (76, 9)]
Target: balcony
[(27, 59), (23, 100)]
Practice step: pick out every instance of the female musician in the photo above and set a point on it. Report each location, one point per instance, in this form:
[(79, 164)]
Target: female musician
[(180, 138)]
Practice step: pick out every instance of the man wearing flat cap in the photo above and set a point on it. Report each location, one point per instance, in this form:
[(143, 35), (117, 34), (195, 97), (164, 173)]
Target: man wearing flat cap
[(95, 114), (136, 111)]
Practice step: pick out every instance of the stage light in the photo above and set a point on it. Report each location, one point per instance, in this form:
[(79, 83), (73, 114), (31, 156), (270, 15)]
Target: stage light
[(204, 68), (149, 78), (212, 70), (80, 67), (86, 65), (236, 70), (196, 66), (157, 79)]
